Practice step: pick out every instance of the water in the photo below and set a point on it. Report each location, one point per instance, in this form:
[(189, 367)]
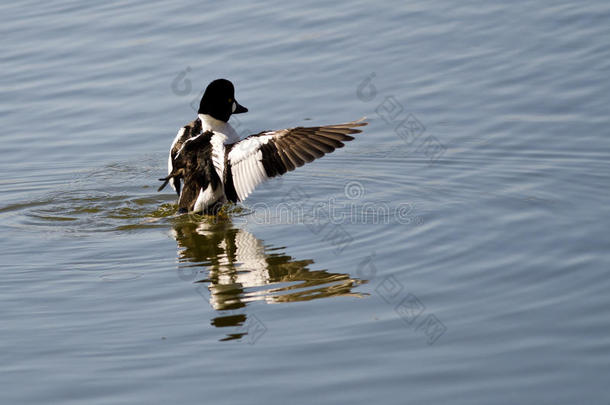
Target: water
[(456, 252)]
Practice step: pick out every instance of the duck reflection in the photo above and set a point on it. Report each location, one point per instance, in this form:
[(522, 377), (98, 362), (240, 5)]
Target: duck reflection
[(238, 268)]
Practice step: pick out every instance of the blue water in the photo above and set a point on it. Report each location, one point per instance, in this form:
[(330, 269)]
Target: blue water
[(456, 252)]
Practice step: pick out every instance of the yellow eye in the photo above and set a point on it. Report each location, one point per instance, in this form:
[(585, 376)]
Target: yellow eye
[(230, 100)]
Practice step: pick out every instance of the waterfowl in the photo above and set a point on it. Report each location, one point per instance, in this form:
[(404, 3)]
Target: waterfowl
[(209, 164)]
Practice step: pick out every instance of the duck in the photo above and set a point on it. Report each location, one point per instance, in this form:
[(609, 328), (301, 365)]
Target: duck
[(209, 164)]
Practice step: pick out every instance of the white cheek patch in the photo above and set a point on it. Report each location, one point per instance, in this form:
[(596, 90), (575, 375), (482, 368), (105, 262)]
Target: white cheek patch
[(234, 107)]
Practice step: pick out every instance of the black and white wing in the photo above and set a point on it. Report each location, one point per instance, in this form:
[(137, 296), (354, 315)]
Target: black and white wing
[(185, 133), (194, 164), (268, 154)]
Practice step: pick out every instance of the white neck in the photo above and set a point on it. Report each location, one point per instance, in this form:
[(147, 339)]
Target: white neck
[(212, 124)]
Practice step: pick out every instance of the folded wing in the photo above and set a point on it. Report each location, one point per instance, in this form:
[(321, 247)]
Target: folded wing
[(193, 163), (185, 133)]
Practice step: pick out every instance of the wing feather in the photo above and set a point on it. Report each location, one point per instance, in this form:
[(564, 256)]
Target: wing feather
[(193, 163), (185, 133), (273, 153)]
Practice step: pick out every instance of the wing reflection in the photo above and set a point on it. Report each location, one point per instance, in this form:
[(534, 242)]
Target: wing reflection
[(239, 268)]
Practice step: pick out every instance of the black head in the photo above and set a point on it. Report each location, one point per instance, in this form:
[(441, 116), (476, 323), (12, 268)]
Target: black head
[(219, 100)]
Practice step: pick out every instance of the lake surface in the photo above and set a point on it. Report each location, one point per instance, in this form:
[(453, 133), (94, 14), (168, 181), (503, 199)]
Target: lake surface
[(456, 252)]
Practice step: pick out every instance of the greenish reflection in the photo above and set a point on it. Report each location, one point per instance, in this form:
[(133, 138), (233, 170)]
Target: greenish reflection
[(239, 268)]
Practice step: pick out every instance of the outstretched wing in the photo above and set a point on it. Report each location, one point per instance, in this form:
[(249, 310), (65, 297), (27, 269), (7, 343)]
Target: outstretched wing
[(193, 163), (268, 154), (184, 134)]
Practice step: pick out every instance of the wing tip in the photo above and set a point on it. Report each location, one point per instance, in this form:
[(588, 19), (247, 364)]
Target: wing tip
[(361, 122), (350, 125)]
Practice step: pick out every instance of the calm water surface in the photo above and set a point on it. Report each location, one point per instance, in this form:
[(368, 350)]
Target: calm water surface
[(456, 252)]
